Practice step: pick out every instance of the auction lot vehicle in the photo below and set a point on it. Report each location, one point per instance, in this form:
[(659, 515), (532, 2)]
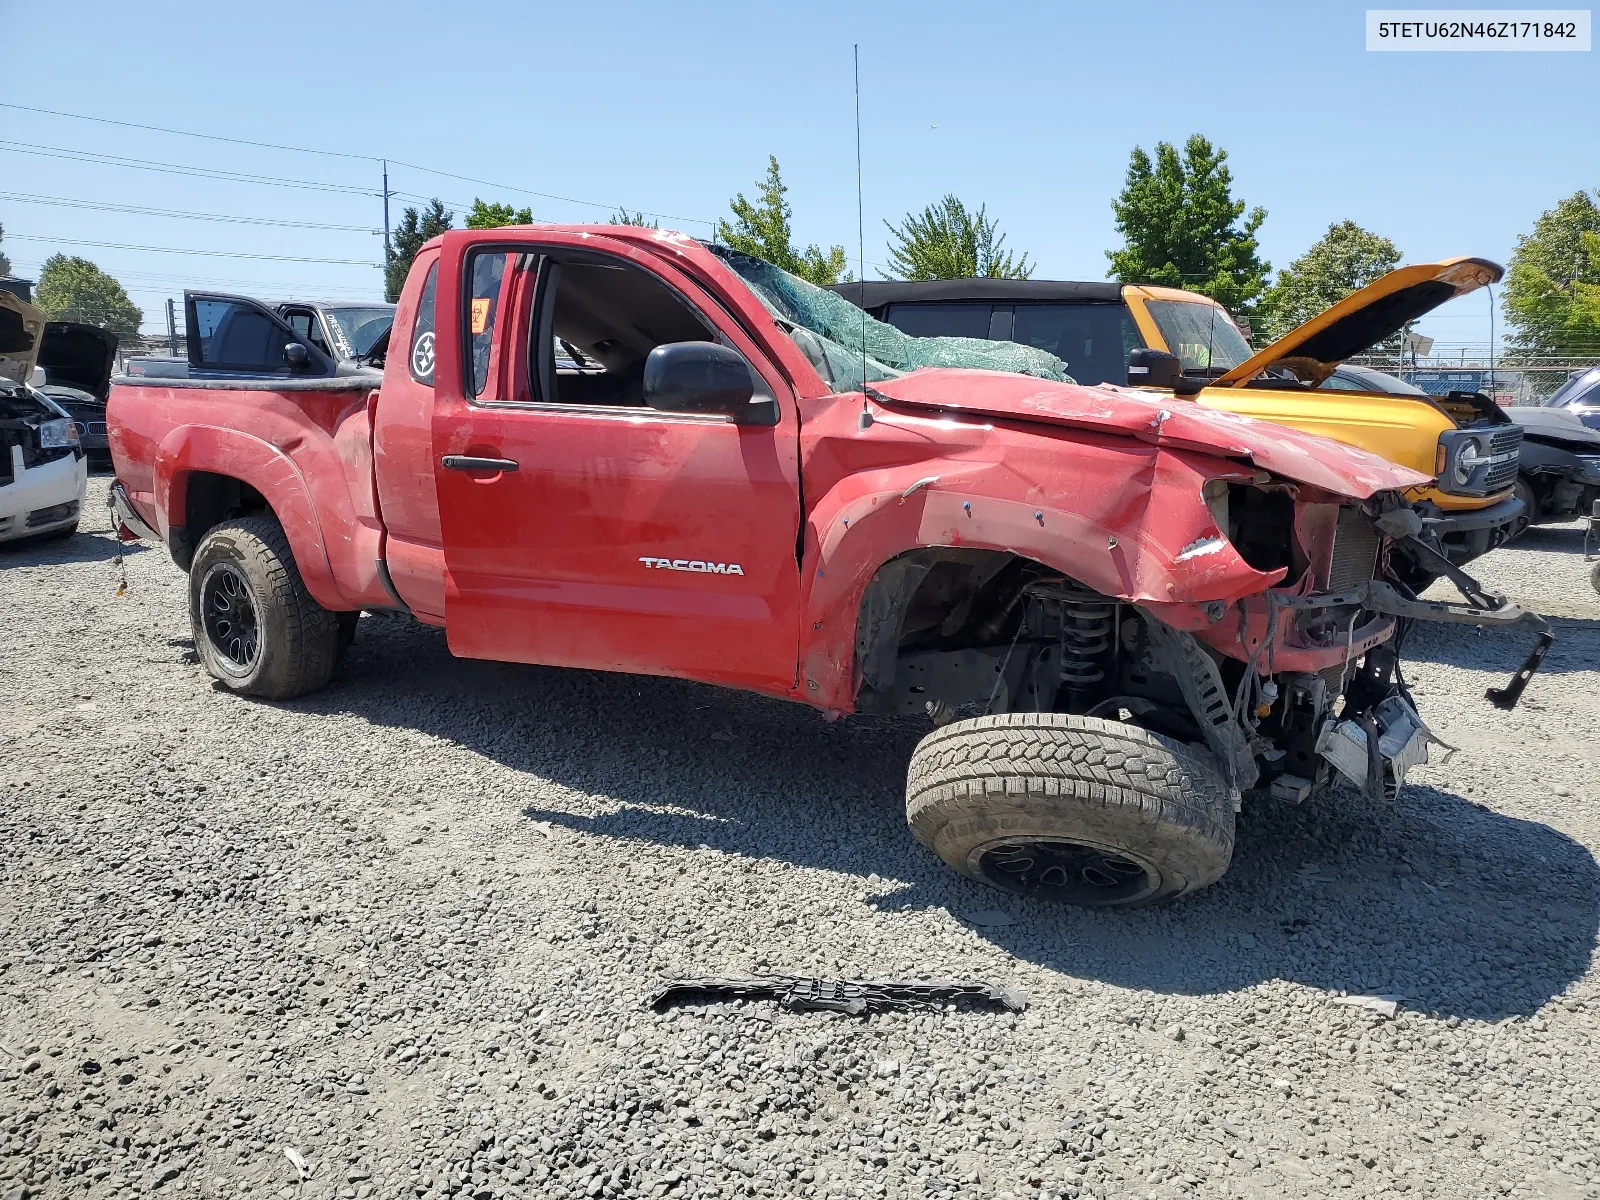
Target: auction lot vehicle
[(1559, 476), (1463, 439), (42, 467), (237, 336), (1121, 612), (77, 361)]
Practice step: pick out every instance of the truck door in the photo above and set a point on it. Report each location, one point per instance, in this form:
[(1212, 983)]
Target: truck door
[(582, 528), (234, 335)]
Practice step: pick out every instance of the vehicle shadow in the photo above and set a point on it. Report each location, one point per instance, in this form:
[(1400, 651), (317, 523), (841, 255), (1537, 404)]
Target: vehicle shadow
[(1502, 651), (1551, 539), (1462, 910), (84, 546)]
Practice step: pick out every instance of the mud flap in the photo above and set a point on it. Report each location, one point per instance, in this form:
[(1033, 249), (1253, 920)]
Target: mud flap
[(1376, 752)]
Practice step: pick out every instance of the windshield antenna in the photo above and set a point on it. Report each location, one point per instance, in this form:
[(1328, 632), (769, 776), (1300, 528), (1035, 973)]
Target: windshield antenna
[(861, 252)]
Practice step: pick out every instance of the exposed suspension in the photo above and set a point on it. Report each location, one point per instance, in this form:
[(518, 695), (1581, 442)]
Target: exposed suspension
[(1083, 623)]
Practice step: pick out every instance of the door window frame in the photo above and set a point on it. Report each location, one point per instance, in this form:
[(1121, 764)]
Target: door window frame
[(526, 327), (319, 365)]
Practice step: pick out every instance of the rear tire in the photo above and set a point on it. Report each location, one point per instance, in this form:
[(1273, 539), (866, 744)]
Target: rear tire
[(1072, 809), (256, 628)]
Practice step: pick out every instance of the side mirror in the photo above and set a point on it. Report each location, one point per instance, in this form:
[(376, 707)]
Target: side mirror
[(1154, 368), (704, 377), (295, 355)]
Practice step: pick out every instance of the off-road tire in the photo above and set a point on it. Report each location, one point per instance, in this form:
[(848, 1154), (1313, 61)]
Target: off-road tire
[(1081, 799), (297, 639)]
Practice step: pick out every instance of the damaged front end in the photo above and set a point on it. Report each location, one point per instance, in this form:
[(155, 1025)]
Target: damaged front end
[(1287, 688), (1322, 690)]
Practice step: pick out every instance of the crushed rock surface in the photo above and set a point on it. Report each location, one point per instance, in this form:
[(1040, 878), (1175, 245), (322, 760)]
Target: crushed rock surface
[(396, 939)]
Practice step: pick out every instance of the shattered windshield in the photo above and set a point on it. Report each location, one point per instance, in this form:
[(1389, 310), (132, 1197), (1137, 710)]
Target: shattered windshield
[(832, 333), (362, 327)]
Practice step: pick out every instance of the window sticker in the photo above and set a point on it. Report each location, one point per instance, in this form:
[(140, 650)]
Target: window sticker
[(480, 315)]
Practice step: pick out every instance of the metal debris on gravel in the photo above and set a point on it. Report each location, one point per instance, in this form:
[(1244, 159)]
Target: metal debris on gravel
[(396, 939)]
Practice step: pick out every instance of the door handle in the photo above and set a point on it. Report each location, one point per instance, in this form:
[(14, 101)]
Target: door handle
[(466, 462)]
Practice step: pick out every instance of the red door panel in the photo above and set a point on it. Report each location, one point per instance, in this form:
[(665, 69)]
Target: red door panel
[(626, 540)]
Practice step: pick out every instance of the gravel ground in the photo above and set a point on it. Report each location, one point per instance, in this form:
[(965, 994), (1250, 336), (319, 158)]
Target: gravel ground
[(398, 937)]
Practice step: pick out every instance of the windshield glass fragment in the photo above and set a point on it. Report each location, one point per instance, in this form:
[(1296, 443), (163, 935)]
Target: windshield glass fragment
[(841, 340)]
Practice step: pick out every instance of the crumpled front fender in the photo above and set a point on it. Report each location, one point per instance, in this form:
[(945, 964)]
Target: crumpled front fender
[(1129, 522)]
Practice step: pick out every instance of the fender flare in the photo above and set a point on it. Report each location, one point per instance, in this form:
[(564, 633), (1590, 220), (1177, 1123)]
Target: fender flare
[(268, 469)]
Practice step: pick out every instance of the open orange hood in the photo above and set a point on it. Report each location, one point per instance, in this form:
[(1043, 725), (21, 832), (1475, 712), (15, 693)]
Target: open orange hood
[(1366, 317)]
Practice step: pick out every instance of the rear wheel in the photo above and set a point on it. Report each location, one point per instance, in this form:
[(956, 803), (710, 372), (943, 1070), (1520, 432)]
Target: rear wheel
[(1071, 809), (256, 628)]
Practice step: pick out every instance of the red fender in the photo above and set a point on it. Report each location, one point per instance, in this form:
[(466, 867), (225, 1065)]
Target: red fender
[(268, 469), (1142, 533)]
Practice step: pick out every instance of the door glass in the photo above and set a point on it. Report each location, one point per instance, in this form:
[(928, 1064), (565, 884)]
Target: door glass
[(483, 310), (599, 322), (1093, 339), (306, 327), (239, 335), (941, 319)]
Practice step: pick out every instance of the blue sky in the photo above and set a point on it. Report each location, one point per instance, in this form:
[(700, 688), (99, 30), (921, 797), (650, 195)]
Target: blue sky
[(1030, 108)]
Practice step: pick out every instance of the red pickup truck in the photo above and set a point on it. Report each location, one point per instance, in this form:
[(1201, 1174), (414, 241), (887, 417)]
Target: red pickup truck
[(624, 450)]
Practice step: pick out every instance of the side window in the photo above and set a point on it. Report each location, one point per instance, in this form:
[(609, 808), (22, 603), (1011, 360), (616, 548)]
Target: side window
[(941, 319), (306, 327), (239, 336), (488, 272), (597, 322), (422, 330)]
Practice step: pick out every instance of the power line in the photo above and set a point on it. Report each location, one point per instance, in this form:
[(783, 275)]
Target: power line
[(117, 160), (140, 210), (343, 154), (343, 262), (210, 137)]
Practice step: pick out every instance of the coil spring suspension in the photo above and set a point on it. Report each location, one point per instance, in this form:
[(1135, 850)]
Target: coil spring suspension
[(1086, 632)]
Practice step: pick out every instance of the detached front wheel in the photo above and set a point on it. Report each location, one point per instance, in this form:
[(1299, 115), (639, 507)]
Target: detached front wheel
[(1072, 809), (256, 627)]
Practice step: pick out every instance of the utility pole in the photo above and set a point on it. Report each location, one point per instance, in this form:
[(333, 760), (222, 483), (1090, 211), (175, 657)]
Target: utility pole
[(172, 329), (386, 229)]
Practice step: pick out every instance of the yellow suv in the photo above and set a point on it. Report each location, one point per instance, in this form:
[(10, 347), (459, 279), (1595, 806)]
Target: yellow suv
[(1464, 440)]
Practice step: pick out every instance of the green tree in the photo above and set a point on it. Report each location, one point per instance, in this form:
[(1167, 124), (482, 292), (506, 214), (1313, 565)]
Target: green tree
[(947, 242), (494, 216), (1341, 261), (761, 229), (415, 229), (623, 217), (74, 289), (5, 263), (1552, 297), (1181, 226)]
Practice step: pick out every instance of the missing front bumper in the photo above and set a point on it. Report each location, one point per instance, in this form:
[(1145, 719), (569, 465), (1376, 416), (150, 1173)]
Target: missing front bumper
[(1377, 751)]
